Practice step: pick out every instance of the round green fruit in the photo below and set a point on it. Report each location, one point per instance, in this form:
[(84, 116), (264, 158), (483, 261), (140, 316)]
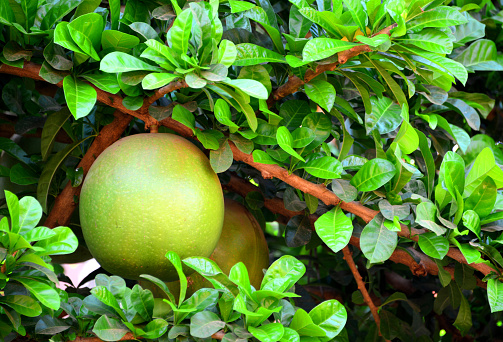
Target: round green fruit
[(242, 239), (148, 194)]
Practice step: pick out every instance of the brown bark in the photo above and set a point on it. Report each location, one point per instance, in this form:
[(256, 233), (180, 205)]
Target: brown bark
[(295, 83), (64, 204), (348, 256)]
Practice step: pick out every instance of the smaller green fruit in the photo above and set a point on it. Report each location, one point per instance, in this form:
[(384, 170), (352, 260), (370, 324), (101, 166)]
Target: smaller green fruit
[(242, 240)]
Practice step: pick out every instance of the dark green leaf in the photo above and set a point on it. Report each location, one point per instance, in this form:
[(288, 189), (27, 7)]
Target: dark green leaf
[(52, 126), (433, 245), (376, 241)]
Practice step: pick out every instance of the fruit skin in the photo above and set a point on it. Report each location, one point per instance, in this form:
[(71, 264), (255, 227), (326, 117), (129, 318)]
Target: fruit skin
[(148, 194), (242, 239)]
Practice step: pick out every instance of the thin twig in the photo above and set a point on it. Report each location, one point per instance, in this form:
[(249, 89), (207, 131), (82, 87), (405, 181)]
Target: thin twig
[(348, 256)]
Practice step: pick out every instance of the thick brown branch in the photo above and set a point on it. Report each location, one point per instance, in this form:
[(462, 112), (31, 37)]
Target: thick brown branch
[(161, 92), (295, 83), (348, 256), (64, 204)]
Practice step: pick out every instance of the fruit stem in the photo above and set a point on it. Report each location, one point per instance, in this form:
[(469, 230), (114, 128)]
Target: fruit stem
[(154, 129)]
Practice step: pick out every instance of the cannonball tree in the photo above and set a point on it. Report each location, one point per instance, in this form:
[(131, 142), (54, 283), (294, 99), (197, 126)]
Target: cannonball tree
[(362, 135)]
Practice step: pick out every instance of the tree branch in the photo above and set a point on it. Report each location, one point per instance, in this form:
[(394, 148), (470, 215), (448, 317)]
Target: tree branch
[(295, 83), (64, 204), (348, 256)]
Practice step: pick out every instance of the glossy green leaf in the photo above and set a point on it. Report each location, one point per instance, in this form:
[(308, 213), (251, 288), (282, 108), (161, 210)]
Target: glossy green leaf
[(463, 320), (24, 305), (63, 242), (472, 221), (223, 113), (80, 96), (483, 166), (481, 55), (30, 213), (495, 295), (320, 48), (143, 302), (221, 159), (45, 294), (180, 32), (162, 285), (157, 80), (177, 263), (285, 140), (268, 333), (106, 82), (483, 198), (283, 274), (426, 213), (376, 241), (109, 329), (345, 191), (227, 52), (433, 245), (331, 316), (106, 297), (385, 115), (122, 62), (430, 40), (325, 167), (184, 116), (334, 228), (441, 16), (303, 324), (49, 171), (250, 87), (374, 174), (321, 92), (251, 54)]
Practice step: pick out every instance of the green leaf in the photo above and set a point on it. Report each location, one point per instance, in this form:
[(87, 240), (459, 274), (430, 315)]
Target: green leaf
[(194, 81), (23, 305), (204, 324), (283, 274), (320, 48), (118, 41), (144, 30), (132, 102), (122, 62), (52, 126), (303, 324), (63, 242), (227, 53), (143, 302), (30, 213), (258, 73), (302, 136), (45, 294), (106, 297), (50, 170), (331, 316), (184, 116), (109, 329), (345, 191), (106, 82), (48, 325), (483, 198), (442, 16), (162, 285), (157, 80), (180, 31), (472, 221), (495, 294), (221, 159), (481, 55), (407, 138), (326, 167), (334, 228), (426, 212), (215, 73), (251, 54), (177, 263), (294, 112), (39, 233), (374, 174), (464, 319), (430, 40), (13, 149), (250, 87), (13, 206), (285, 140), (83, 42), (385, 116), (210, 270), (80, 96), (358, 13), (20, 175), (483, 166), (209, 138), (268, 333), (375, 41), (223, 114), (321, 92), (155, 328), (376, 241), (433, 245)]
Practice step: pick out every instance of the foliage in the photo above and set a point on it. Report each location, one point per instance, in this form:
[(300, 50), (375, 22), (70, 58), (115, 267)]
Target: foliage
[(375, 103), (27, 279)]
